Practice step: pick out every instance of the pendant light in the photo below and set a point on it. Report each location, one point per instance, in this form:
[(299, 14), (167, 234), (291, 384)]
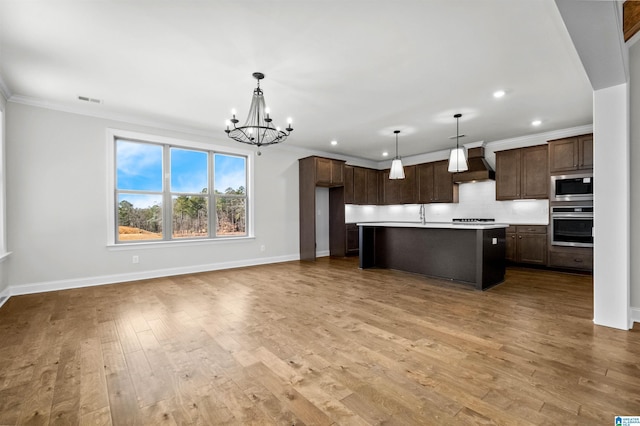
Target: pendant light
[(397, 171), (458, 158)]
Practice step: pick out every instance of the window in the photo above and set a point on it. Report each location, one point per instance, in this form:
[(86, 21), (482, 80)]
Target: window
[(163, 191)]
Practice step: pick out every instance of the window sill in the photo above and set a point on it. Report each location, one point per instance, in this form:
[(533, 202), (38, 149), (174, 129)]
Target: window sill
[(4, 256), (177, 243)]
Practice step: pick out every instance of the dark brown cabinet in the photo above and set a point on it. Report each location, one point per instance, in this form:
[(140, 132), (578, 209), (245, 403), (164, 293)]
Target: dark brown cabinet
[(321, 172), (361, 185), (353, 240), (373, 186), (348, 184), (328, 172), (527, 244), (522, 173), (435, 183), (399, 191), (570, 154), (579, 258)]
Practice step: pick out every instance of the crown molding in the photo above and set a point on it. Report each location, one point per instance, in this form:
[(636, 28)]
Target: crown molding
[(95, 112), (521, 141), (538, 138), (4, 89), (107, 115)]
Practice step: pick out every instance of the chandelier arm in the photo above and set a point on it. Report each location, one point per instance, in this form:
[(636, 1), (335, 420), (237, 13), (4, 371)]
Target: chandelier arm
[(241, 130)]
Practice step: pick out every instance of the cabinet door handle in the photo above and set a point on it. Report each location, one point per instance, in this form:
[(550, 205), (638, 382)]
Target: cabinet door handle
[(577, 260), (520, 236)]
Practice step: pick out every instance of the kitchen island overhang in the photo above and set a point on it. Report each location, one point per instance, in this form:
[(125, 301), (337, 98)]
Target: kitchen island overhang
[(468, 253)]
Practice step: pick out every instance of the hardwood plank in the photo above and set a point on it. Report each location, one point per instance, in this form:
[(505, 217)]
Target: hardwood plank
[(316, 343)]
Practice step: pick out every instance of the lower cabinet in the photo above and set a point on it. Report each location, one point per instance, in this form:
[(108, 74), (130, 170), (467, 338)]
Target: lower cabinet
[(353, 240), (579, 258), (527, 244)]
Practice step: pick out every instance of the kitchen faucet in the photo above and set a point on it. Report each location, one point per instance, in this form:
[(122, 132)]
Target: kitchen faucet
[(423, 216)]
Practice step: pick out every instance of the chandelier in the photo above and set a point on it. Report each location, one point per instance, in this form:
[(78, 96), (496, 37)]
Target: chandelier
[(258, 129)]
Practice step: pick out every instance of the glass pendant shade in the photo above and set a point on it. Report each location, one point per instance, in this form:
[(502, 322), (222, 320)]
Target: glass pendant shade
[(458, 161), (458, 157), (397, 171)]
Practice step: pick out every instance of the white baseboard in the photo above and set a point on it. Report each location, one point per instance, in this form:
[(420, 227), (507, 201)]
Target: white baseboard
[(635, 316), (323, 253), (4, 296), (42, 287)]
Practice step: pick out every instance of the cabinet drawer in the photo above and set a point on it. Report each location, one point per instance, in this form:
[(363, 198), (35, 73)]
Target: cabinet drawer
[(532, 229), (574, 259)]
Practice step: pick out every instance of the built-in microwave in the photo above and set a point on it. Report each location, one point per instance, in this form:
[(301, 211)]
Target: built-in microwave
[(576, 187)]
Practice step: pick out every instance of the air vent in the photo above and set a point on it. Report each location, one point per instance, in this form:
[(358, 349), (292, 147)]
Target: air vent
[(88, 99)]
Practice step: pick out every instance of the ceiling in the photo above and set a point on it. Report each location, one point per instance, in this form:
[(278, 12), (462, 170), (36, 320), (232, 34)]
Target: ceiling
[(346, 70)]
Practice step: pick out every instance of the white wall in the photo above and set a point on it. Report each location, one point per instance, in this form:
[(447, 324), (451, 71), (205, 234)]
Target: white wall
[(611, 204), (4, 282), (322, 221), (57, 207), (634, 75)]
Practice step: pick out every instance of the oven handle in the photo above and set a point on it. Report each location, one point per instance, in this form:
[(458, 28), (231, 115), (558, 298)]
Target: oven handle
[(571, 215)]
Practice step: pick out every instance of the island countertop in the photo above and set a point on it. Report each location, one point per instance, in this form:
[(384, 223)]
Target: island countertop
[(441, 225)]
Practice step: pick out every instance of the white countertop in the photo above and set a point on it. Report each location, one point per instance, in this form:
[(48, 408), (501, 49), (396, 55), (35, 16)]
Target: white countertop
[(443, 225)]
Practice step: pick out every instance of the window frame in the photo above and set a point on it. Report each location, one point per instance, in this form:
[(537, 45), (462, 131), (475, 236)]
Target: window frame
[(167, 209)]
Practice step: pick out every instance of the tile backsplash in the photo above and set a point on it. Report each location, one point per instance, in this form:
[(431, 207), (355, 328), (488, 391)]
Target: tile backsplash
[(476, 200)]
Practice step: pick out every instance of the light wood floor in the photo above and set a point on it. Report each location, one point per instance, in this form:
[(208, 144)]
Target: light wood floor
[(318, 344)]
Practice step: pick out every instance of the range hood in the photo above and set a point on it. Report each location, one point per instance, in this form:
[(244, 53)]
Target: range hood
[(479, 169)]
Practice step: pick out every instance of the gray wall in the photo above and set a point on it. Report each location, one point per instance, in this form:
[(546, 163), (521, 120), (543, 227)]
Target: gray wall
[(634, 77), (4, 281), (57, 206)]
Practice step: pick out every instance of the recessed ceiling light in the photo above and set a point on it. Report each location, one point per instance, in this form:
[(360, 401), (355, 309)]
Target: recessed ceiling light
[(385, 154), (499, 93), (334, 142), (536, 122)]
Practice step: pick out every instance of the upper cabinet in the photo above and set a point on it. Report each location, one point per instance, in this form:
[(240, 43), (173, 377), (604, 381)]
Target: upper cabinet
[(326, 171), (522, 173), (361, 185), (372, 188), (399, 191), (348, 184), (435, 183), (569, 154)]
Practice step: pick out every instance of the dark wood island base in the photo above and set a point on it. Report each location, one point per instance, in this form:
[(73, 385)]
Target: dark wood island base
[(470, 254)]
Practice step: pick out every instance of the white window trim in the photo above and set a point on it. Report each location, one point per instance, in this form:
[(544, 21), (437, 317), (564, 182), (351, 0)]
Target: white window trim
[(113, 134)]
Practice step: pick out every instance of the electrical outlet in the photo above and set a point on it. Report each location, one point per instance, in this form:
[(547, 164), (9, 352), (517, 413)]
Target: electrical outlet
[(262, 248), (135, 259)]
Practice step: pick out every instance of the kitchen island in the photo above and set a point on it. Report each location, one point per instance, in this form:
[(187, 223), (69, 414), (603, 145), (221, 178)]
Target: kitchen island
[(470, 253)]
